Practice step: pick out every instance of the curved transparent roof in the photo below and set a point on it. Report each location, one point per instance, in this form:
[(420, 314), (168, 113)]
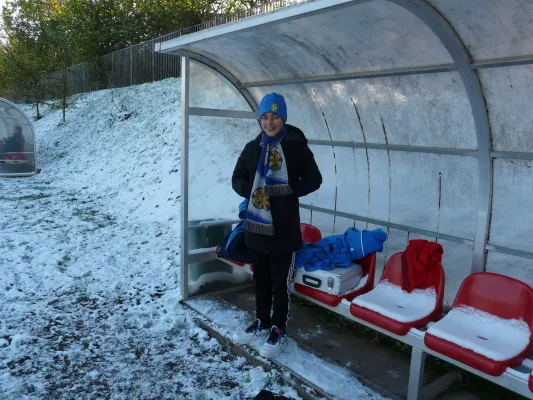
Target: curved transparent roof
[(417, 111), (17, 141), (491, 28), (365, 37)]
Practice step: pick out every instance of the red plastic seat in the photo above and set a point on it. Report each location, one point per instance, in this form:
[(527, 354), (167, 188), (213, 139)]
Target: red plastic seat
[(16, 156), (393, 274), (495, 294), (237, 263), (530, 382), (369, 271), (310, 233)]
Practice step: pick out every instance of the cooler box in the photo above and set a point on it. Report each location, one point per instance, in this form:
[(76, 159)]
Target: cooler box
[(336, 281)]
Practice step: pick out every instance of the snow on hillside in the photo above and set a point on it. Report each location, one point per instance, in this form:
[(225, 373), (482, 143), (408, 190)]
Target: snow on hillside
[(89, 300)]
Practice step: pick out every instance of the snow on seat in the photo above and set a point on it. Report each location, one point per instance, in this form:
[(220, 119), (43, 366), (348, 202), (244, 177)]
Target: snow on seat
[(489, 325), (393, 309), (393, 302), (365, 284), (486, 334)]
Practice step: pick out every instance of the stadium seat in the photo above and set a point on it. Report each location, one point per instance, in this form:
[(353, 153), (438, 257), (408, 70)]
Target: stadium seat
[(395, 310), (489, 325), (310, 233)]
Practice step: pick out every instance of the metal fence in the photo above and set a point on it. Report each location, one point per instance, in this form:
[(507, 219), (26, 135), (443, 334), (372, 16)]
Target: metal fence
[(139, 63)]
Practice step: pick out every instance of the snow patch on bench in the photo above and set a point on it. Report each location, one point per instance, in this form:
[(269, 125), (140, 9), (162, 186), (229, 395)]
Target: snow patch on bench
[(486, 334), (393, 302)]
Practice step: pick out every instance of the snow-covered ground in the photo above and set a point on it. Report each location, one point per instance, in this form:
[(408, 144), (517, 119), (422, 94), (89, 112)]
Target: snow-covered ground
[(89, 253)]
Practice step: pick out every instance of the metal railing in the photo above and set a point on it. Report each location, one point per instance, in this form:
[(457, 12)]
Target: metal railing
[(140, 64)]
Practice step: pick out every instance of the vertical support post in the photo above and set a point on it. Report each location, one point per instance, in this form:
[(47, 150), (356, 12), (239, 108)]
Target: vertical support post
[(416, 373), (184, 266), (131, 66), (112, 70), (153, 59), (458, 51), (83, 78)]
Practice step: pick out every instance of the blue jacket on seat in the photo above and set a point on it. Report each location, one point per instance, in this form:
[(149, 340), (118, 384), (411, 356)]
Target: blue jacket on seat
[(340, 250), (363, 243), (234, 246)]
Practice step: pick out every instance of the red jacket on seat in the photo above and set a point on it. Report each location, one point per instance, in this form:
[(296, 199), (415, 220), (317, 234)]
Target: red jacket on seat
[(419, 261)]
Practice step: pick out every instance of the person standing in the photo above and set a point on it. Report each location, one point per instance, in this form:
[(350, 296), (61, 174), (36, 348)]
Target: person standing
[(273, 171), (14, 144)]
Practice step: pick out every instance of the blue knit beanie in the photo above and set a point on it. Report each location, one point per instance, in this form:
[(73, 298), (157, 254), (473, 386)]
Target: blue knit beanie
[(274, 103)]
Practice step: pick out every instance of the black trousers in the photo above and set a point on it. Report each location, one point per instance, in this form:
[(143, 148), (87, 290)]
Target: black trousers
[(271, 272)]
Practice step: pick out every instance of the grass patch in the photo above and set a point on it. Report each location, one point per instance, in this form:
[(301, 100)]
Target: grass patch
[(82, 299)]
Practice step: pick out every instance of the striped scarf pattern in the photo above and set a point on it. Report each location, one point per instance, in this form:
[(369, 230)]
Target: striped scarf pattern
[(271, 179)]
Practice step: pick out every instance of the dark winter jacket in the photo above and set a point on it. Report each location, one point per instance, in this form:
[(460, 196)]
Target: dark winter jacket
[(14, 144), (304, 178)]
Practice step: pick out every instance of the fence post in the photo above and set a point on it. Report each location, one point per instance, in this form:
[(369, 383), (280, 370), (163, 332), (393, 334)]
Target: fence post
[(131, 66), (112, 77), (153, 59)]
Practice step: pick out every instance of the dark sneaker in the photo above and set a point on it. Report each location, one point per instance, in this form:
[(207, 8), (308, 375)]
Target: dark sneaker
[(275, 342), (248, 334)]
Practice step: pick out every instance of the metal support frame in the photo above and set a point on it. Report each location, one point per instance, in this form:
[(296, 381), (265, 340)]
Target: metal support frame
[(419, 70), (202, 255), (508, 155), (267, 19), (184, 255), (185, 116), (214, 112), (16, 161), (512, 155), (430, 69), (17, 175), (395, 147), (455, 46), (440, 385), (407, 228), (508, 251), (416, 373), (224, 72), (400, 227), (503, 62)]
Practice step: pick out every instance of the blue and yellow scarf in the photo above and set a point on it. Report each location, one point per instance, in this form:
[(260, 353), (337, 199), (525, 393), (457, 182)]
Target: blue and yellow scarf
[(271, 179)]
